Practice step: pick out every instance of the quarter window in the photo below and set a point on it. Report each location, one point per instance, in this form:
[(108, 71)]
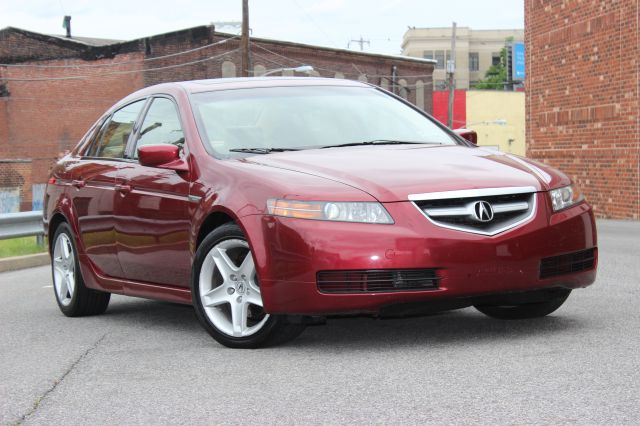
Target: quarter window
[(161, 125), (94, 136), (114, 135)]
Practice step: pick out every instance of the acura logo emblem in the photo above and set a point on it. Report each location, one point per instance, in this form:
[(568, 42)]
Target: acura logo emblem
[(482, 211)]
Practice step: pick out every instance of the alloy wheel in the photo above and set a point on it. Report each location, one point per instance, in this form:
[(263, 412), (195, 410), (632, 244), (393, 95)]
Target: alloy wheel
[(229, 289), (64, 269)]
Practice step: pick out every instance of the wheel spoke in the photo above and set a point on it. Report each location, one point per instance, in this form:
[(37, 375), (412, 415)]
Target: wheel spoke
[(59, 250), (224, 264), (66, 252), (62, 287), (254, 298), (58, 272), (217, 296), (247, 268), (71, 284), (57, 260), (239, 314)]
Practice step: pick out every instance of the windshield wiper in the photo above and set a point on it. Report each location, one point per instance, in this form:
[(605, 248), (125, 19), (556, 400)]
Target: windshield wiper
[(379, 142), (262, 150)]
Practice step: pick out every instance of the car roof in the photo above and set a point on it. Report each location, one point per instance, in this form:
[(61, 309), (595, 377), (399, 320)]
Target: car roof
[(215, 84), (196, 86)]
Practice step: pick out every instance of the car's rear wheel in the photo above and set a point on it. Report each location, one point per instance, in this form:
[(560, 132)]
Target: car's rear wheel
[(227, 295), (73, 297), (537, 309)]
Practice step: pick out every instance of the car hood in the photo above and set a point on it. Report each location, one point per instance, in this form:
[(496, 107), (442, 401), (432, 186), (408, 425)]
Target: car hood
[(392, 173)]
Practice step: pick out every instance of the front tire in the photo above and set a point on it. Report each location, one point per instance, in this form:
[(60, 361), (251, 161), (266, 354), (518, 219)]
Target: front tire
[(73, 297), (537, 309), (226, 294)]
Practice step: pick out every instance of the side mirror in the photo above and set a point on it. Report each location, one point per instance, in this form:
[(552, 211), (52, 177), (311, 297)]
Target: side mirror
[(467, 134), (164, 156)]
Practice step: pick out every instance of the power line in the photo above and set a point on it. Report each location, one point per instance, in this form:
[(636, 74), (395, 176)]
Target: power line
[(85, 77), (110, 64), (319, 27)]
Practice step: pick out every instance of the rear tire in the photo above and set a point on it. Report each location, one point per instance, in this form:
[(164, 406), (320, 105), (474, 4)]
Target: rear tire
[(73, 297), (543, 308), (226, 294)]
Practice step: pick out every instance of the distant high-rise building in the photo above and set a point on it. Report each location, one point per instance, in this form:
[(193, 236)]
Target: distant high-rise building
[(476, 51)]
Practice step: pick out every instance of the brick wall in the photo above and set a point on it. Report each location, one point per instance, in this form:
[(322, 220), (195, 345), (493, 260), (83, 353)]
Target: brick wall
[(46, 118), (17, 46), (583, 97), (271, 54), (39, 120)]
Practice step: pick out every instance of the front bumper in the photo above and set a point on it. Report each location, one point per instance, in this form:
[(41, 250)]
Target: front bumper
[(290, 252)]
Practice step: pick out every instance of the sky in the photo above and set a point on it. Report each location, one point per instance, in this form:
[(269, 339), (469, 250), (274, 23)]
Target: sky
[(332, 23)]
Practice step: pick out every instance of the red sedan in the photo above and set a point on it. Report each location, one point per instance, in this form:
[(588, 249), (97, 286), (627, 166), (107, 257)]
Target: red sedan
[(271, 203)]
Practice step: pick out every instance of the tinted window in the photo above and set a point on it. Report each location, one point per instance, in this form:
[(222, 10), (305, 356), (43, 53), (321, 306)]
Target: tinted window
[(307, 117), (93, 137), (115, 134), (161, 125)]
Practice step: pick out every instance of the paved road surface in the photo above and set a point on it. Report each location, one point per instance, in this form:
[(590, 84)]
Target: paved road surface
[(150, 362)]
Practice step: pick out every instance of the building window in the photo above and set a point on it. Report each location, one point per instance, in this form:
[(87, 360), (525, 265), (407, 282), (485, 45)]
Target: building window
[(495, 58), (427, 54), (439, 57), (474, 61)]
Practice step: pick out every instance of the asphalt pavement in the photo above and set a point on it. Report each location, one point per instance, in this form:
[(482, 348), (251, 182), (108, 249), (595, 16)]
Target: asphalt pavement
[(147, 362)]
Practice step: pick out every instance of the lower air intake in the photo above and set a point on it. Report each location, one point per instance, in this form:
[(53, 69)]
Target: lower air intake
[(377, 281), (567, 263)]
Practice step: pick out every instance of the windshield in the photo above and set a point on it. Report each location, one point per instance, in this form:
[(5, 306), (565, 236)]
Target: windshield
[(308, 117)]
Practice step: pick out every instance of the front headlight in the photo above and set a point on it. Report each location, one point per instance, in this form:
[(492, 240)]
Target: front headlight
[(567, 196), (363, 212)]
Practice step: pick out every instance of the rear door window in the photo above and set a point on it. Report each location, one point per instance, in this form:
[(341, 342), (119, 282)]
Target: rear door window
[(114, 135)]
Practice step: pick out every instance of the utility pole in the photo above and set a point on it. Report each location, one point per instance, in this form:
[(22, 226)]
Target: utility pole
[(246, 65), (451, 71), (361, 42)]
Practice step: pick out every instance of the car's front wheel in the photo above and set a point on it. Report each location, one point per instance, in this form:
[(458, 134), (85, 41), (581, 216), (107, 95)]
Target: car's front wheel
[(73, 297), (522, 310), (227, 295)]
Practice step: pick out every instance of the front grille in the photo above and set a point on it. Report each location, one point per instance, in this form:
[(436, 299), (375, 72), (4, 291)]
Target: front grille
[(459, 209), (377, 280), (567, 263)]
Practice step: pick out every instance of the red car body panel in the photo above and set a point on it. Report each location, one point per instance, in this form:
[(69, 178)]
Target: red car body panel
[(390, 173), (137, 227)]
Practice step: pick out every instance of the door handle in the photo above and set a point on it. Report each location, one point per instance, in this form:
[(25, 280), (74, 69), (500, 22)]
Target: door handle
[(122, 188), (78, 183)]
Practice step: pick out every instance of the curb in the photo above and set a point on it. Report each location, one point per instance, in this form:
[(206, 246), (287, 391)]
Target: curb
[(23, 262)]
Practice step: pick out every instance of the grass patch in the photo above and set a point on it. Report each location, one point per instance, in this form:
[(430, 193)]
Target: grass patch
[(20, 247)]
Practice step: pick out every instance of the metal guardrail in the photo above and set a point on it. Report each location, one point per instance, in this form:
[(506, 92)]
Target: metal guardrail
[(23, 224)]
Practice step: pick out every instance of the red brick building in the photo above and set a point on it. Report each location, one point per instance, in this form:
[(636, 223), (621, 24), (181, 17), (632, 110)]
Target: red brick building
[(53, 88), (583, 97)]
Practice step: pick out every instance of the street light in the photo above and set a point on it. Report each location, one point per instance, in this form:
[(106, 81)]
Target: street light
[(306, 69)]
